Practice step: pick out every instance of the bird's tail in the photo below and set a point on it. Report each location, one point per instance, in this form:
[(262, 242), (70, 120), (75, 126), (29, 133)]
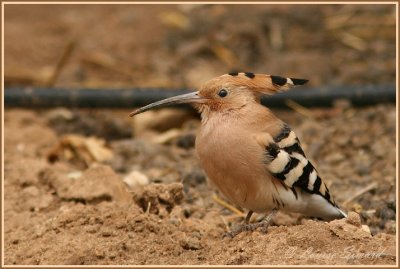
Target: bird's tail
[(344, 215)]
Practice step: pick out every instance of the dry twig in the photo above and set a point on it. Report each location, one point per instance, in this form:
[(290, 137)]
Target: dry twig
[(361, 192), (228, 206), (61, 63)]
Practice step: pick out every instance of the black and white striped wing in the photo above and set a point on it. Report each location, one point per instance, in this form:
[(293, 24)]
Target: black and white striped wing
[(287, 162)]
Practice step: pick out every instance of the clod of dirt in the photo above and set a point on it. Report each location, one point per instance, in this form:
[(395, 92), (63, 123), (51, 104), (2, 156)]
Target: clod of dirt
[(159, 198), (98, 183), (190, 243), (24, 172), (350, 227), (80, 150), (354, 219), (35, 199)]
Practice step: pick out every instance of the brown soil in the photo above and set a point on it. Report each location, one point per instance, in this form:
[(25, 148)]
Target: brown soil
[(95, 187)]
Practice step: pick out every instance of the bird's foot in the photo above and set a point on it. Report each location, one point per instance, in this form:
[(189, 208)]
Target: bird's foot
[(248, 228), (264, 224)]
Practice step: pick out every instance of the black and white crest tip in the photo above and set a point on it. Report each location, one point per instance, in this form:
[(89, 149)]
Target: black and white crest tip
[(281, 81), (299, 81), (278, 80), (249, 74)]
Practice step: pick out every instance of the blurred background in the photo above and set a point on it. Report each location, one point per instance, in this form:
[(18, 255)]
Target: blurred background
[(65, 167), (184, 45)]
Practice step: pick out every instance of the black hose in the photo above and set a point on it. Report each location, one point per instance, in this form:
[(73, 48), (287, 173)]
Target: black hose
[(130, 98), (325, 96)]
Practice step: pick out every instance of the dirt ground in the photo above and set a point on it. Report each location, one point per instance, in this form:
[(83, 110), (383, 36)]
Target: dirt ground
[(96, 187)]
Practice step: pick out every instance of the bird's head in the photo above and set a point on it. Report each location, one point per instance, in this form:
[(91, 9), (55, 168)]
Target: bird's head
[(229, 92)]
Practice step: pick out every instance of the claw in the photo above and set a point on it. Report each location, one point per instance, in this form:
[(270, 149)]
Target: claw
[(248, 228), (264, 224)]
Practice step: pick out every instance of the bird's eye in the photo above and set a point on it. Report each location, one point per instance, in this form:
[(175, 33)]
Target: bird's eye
[(222, 93)]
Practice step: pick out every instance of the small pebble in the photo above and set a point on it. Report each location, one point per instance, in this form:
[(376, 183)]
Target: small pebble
[(136, 178), (190, 243), (354, 219)]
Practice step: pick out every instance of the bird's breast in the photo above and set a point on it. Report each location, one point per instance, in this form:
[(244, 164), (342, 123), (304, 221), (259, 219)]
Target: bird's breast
[(233, 161)]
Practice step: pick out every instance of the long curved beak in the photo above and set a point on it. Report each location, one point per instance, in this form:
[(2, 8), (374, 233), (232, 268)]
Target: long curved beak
[(192, 97)]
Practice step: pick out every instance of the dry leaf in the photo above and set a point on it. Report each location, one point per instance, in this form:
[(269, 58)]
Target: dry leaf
[(80, 150)]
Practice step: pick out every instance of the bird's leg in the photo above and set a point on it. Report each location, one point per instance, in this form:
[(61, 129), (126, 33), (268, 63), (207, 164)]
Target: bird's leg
[(244, 227), (267, 221), (247, 220), (264, 224)]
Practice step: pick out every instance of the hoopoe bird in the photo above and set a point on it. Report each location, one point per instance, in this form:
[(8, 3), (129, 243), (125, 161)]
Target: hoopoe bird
[(252, 157)]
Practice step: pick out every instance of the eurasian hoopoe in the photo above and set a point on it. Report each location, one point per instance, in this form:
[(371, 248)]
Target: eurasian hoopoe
[(253, 157)]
